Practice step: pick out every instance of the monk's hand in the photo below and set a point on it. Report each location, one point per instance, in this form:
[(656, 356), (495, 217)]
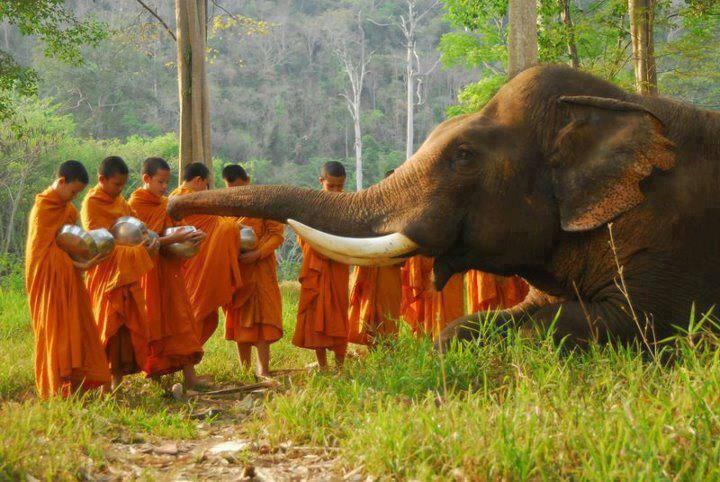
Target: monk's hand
[(196, 237), (152, 245), (249, 257), (97, 259)]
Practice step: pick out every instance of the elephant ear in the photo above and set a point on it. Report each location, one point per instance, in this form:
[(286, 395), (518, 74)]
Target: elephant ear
[(601, 156)]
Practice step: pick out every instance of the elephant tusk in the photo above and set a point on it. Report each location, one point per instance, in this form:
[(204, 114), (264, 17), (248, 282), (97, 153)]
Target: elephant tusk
[(349, 260), (380, 251)]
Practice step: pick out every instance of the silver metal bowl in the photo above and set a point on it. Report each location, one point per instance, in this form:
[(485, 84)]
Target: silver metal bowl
[(182, 250), (248, 239), (77, 242), (129, 231), (104, 241)]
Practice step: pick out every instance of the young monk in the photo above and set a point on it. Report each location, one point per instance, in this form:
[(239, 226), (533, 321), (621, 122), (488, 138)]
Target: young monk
[(487, 291), (322, 320), (424, 308), (174, 343), (375, 299), (68, 353), (213, 275), (114, 285), (254, 318)]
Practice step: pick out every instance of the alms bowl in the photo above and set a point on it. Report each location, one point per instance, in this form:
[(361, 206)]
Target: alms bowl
[(104, 241), (129, 231), (77, 242), (185, 249), (248, 239)]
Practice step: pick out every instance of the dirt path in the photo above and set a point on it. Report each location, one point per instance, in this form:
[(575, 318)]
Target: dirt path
[(223, 451)]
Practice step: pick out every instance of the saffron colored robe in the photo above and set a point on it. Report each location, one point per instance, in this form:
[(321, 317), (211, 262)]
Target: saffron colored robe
[(322, 319), (375, 300), (427, 310), (255, 313), (68, 353), (212, 275), (487, 291), (117, 298), (173, 339)]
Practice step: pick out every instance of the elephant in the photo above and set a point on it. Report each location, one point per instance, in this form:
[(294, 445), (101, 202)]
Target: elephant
[(604, 201)]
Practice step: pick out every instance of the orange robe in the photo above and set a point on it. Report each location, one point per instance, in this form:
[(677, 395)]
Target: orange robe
[(322, 319), (212, 275), (426, 310), (114, 285), (255, 313), (173, 339), (487, 291), (68, 352), (374, 303)]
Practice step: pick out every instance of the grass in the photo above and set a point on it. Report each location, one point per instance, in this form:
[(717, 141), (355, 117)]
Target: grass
[(513, 409)]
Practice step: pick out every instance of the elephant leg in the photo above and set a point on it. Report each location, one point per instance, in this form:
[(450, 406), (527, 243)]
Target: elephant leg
[(574, 322), (581, 323), (469, 327)]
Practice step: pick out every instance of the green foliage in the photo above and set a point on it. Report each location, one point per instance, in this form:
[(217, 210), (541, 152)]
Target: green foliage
[(35, 139), (600, 32), (56, 27), (475, 96)]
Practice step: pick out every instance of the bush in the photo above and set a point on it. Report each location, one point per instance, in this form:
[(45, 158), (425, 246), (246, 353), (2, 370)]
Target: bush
[(11, 273)]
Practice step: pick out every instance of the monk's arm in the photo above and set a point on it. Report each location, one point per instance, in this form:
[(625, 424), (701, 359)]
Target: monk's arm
[(272, 240)]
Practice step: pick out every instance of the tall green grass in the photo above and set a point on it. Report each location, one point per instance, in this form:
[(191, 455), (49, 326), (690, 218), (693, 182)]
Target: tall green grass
[(516, 409), (501, 408)]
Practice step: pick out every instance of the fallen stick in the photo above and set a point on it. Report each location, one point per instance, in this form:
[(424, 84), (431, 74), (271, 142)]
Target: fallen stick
[(229, 391)]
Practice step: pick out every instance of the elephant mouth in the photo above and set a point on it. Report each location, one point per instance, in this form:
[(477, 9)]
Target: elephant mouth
[(376, 251)]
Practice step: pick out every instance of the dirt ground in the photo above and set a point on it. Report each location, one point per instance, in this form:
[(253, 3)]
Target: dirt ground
[(223, 450)]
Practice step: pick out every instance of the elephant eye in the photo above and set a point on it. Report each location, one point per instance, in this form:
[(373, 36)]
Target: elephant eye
[(463, 158)]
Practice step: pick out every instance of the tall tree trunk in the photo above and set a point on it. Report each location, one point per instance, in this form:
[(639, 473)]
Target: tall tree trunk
[(14, 208), (191, 16), (522, 36), (6, 28), (410, 84), (641, 31), (358, 149), (569, 33)]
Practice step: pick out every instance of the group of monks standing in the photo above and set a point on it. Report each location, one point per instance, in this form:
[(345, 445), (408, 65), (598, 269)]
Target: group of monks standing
[(142, 309)]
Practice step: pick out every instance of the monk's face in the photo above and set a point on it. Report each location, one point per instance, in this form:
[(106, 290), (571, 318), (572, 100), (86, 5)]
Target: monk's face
[(158, 183), (237, 182), (197, 184), (113, 185), (68, 190), (332, 183)]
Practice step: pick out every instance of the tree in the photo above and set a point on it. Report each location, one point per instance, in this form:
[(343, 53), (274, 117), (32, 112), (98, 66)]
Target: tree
[(28, 136), (191, 25), (522, 36), (351, 51), (409, 24), (566, 17), (643, 46), (61, 33)]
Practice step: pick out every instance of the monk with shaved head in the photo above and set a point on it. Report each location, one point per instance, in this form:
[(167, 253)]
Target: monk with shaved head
[(322, 319), (68, 352)]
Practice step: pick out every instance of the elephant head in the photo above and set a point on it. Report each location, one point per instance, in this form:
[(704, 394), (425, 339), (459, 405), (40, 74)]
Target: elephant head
[(556, 150)]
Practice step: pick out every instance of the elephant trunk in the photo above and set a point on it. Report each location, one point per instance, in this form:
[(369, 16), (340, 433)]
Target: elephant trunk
[(327, 220)]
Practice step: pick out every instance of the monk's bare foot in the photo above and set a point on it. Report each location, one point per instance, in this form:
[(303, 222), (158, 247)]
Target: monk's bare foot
[(199, 385)]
